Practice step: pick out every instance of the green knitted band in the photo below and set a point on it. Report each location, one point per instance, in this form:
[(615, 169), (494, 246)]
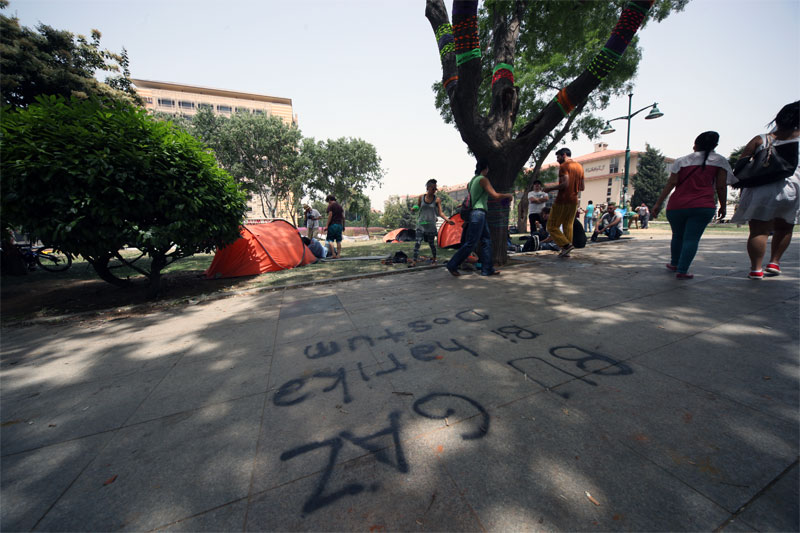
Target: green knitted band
[(637, 7), (503, 66), (612, 53), (443, 29), (475, 53), (449, 47)]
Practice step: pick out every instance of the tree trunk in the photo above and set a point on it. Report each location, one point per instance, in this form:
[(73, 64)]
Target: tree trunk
[(492, 136), (156, 266), (100, 266)]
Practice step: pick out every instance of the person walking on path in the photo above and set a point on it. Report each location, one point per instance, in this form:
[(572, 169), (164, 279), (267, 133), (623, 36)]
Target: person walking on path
[(430, 207), (562, 214), (644, 215), (479, 189), (312, 220), (588, 216), (774, 206), (695, 178), (335, 225), (537, 199)]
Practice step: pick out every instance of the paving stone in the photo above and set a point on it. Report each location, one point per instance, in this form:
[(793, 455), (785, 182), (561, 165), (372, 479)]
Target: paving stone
[(33, 481), (69, 412), (553, 455), (401, 488), (771, 511), (722, 448), (164, 470), (228, 517)]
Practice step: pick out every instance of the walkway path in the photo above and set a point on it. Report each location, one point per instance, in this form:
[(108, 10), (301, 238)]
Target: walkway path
[(593, 393)]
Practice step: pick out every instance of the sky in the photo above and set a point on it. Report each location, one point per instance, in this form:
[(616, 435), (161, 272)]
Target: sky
[(364, 68)]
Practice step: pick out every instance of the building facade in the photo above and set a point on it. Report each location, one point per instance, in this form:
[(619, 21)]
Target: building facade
[(186, 100)]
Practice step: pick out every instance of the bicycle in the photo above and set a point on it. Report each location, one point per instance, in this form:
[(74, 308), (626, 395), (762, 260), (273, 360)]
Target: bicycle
[(48, 258)]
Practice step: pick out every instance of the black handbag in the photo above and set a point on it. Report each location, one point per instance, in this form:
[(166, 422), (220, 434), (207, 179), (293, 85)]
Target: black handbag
[(766, 166)]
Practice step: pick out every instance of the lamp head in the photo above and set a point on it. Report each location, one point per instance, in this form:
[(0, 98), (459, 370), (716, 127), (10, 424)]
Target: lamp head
[(608, 128), (654, 113)]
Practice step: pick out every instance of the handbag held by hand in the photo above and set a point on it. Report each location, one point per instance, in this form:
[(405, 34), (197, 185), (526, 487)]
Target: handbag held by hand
[(766, 166)]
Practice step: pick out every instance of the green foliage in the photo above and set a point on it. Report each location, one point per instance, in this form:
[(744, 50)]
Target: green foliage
[(449, 205), (90, 178), (397, 213), (735, 156), (343, 167), (360, 208), (52, 62), (650, 178)]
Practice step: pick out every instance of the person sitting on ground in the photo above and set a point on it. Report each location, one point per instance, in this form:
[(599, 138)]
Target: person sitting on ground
[(610, 224), (316, 247)]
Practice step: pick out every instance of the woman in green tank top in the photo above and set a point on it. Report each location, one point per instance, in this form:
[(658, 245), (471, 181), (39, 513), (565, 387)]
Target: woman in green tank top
[(480, 190)]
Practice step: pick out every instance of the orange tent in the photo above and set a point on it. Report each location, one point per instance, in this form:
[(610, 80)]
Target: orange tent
[(400, 235), (263, 248), (450, 234)]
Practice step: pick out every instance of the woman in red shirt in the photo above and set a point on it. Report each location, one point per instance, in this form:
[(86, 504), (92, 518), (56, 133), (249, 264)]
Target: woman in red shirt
[(695, 178)]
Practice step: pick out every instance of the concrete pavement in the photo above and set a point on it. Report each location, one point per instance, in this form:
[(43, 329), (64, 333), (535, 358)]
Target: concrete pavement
[(594, 393)]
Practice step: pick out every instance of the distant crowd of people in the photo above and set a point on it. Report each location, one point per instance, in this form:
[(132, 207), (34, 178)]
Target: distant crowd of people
[(698, 182)]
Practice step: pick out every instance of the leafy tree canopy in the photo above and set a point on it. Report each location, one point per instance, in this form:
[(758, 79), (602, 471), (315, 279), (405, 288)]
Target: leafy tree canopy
[(50, 61), (557, 41), (650, 178), (343, 166), (90, 178)]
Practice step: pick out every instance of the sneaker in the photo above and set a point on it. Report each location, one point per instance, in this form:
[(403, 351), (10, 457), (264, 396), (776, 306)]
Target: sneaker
[(671, 268), (566, 250), (683, 275), (756, 274), (455, 273), (773, 269)]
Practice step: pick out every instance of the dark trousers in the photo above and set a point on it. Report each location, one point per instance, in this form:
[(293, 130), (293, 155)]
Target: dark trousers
[(533, 218), (477, 232)]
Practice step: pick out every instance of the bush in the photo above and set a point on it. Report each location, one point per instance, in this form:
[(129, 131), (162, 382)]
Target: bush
[(89, 178)]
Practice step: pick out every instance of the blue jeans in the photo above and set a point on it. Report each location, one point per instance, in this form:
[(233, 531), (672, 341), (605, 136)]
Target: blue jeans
[(478, 230), (687, 226), (613, 233)]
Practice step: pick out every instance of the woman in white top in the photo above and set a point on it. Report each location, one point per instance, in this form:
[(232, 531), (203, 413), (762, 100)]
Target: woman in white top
[(775, 206)]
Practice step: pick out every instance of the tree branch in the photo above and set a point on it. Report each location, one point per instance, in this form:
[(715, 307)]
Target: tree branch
[(461, 81)]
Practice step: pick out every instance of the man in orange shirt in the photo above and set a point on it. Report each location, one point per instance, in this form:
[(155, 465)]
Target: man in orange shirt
[(570, 182)]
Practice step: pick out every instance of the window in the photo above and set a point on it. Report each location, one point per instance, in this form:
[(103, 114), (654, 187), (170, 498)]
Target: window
[(610, 180), (258, 111), (243, 110), (166, 102), (186, 105), (204, 105), (224, 108), (608, 192), (148, 100), (613, 166)]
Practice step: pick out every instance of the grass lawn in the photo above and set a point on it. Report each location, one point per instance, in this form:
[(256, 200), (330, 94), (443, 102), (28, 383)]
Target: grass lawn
[(197, 264)]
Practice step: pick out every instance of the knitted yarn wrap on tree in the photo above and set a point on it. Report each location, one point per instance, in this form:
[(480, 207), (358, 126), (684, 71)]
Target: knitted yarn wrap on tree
[(501, 71), (466, 34), (497, 212), (628, 24), (564, 102), (445, 40)]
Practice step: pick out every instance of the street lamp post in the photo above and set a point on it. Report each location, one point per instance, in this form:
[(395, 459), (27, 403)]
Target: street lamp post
[(654, 113)]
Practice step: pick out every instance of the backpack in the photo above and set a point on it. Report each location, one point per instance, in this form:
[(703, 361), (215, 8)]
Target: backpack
[(466, 207)]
